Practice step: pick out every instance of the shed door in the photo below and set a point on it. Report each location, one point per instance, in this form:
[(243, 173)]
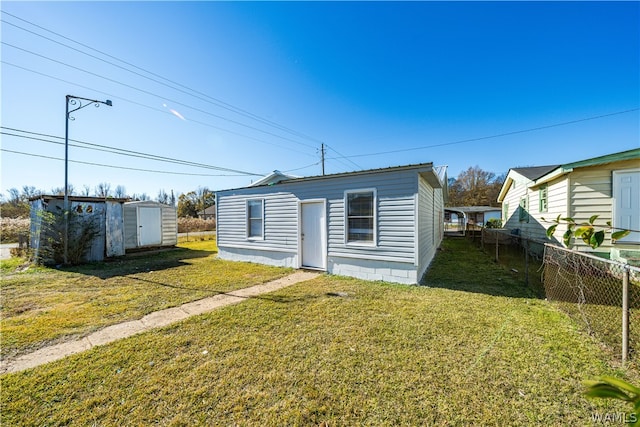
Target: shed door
[(150, 226), (313, 234)]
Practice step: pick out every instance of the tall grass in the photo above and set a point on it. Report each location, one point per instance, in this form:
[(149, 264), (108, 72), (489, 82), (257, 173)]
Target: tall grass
[(187, 225), (10, 228)]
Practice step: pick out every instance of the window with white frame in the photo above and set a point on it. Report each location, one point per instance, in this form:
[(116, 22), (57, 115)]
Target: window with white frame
[(543, 202), (360, 216), (523, 215), (255, 219)]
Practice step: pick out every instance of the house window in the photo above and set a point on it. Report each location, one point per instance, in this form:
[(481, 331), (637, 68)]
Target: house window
[(523, 215), (360, 217), (255, 219), (543, 196)]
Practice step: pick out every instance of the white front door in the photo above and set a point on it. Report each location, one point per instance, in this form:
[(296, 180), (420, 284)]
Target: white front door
[(150, 226), (626, 203), (313, 236)]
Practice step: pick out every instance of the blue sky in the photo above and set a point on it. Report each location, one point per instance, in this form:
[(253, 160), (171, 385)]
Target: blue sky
[(408, 80)]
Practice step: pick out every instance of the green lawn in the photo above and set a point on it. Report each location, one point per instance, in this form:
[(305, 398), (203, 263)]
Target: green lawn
[(470, 349), (44, 305)]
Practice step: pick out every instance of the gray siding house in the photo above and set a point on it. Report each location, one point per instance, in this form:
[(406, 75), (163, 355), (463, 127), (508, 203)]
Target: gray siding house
[(382, 224)]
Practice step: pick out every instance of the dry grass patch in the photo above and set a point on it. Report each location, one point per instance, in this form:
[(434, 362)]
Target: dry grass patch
[(44, 305)]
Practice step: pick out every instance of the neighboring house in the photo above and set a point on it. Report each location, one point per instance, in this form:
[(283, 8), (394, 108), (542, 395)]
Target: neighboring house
[(149, 224), (382, 224), (607, 186), (273, 178), (472, 215), (107, 214), (208, 213)]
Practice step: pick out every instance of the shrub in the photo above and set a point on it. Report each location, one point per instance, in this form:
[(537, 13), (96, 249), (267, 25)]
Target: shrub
[(83, 230), (494, 223)]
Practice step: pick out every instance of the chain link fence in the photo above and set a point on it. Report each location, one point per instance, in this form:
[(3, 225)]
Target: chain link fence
[(601, 294), (520, 254)]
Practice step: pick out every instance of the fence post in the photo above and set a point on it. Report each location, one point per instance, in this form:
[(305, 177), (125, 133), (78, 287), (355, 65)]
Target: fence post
[(625, 314), (497, 250), (526, 262)]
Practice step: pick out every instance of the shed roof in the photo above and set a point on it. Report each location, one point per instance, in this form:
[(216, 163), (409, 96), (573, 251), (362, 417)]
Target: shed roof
[(427, 170), (86, 199)]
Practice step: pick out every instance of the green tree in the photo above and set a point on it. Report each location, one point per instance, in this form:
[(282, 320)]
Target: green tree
[(187, 205)]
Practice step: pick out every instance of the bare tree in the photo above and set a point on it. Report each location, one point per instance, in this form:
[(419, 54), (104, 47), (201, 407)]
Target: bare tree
[(163, 197), (59, 191), (103, 190), (86, 190), (14, 196), (140, 197), (120, 192), (29, 191)]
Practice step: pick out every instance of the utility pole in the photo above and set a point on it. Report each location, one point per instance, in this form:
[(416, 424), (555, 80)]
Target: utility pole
[(78, 103), (322, 157)]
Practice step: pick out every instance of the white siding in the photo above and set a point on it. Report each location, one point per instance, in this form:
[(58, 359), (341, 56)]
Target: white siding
[(591, 194), (169, 223), (395, 249)]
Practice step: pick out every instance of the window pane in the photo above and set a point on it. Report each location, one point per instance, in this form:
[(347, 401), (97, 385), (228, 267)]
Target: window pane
[(254, 218), (360, 204), (255, 209), (360, 220), (255, 228), (360, 229)]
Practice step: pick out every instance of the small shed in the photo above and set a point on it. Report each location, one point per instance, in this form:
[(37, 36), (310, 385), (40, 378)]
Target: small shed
[(107, 214), (381, 224), (149, 224)]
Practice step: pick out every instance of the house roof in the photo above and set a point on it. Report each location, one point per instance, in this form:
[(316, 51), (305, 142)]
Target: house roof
[(473, 209), (595, 161), (539, 175), (273, 178), (211, 210), (535, 172), (433, 177)]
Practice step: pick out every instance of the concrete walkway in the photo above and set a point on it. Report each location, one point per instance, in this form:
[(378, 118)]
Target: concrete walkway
[(150, 321)]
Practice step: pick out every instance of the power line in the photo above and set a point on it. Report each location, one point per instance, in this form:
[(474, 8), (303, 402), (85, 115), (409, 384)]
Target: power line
[(109, 166), (154, 108), (120, 151), (200, 95), (343, 157), (155, 95), (494, 136)]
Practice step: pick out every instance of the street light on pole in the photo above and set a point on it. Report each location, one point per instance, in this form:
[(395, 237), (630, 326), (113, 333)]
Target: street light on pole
[(79, 103)]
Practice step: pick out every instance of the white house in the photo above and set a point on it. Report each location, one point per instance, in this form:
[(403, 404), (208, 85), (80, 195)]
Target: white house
[(382, 224), (607, 186)]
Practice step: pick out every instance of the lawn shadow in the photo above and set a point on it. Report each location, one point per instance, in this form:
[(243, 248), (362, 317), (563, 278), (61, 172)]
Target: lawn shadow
[(213, 292), (139, 262), (461, 266)]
